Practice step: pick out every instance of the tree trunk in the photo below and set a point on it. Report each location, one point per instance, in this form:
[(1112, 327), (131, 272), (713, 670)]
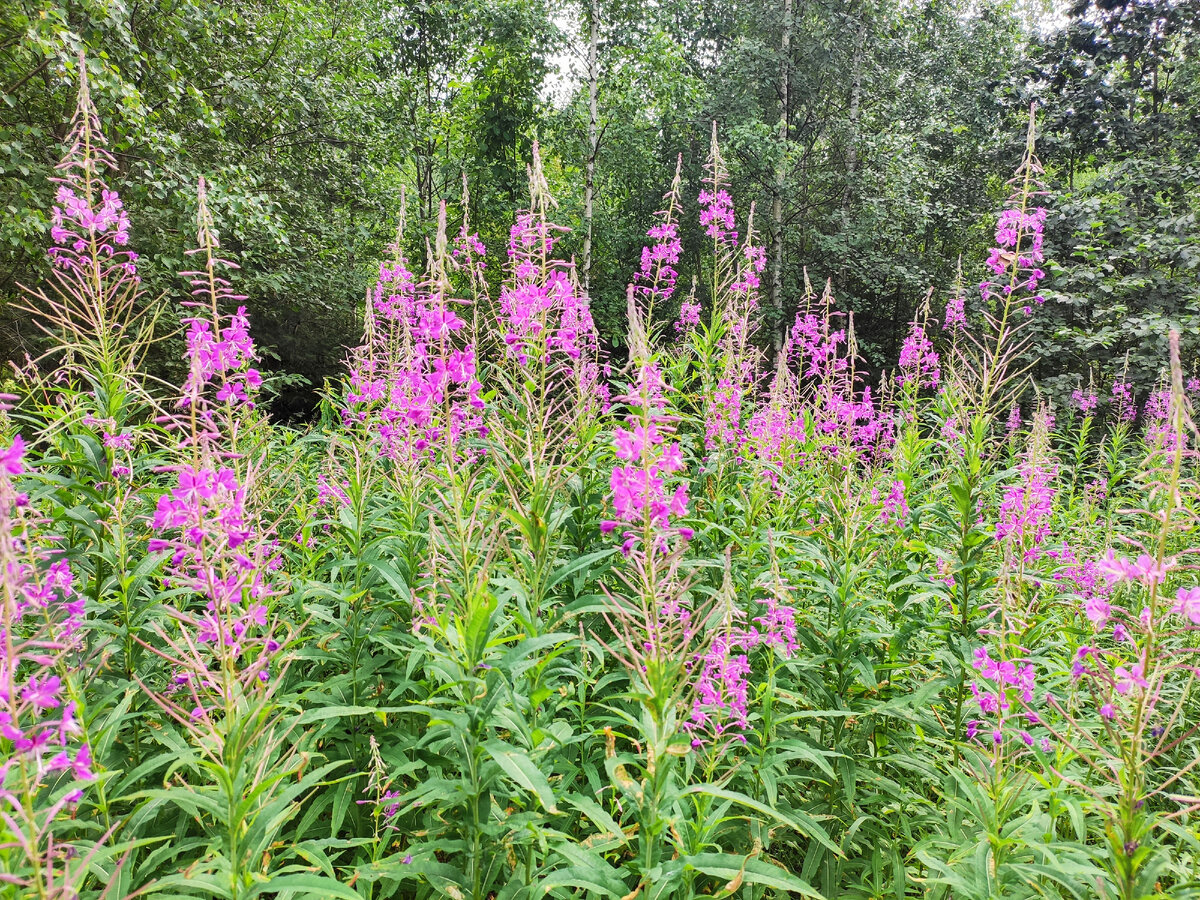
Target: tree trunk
[(856, 64), (427, 147), (589, 184), (780, 178)]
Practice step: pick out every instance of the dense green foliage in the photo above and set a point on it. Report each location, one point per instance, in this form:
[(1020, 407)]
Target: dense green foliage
[(1122, 105), (516, 620)]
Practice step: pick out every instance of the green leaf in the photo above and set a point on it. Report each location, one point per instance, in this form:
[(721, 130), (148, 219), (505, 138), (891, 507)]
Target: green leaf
[(520, 768), (597, 814), (750, 870), (798, 820), (304, 885)]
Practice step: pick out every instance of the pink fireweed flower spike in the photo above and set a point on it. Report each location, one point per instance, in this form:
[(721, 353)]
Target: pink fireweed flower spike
[(919, 363), (955, 318), (655, 280), (1084, 402), (413, 385), (41, 620)]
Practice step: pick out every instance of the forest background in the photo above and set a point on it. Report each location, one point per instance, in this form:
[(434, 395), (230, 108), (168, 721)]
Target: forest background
[(867, 132)]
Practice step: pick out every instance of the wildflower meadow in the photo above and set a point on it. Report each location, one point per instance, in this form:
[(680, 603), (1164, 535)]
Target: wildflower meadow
[(524, 612)]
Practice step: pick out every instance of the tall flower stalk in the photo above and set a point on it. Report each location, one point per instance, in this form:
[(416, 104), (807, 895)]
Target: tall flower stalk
[(987, 366), (413, 386), (728, 360), (652, 619), (90, 305), (223, 641), (1128, 720), (45, 762), (649, 500)]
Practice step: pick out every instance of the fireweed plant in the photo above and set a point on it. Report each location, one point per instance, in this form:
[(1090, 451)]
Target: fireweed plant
[(520, 620), (48, 761)]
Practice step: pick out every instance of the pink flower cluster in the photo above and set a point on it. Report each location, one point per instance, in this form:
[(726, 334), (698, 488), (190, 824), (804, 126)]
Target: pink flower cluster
[(540, 309), (1025, 510), (1002, 674), (1122, 400), (689, 317), (1145, 569), (394, 296), (814, 347), (1187, 604), (1080, 575), (841, 417), (40, 620), (919, 363), (226, 359), (775, 628), (645, 493), (737, 360), (748, 278), (716, 217), (656, 278), (469, 252), (1019, 238), (955, 318), (1160, 435), (413, 384), (215, 554), (1115, 570), (1111, 681), (776, 428), (328, 489), (544, 317), (723, 412), (1002, 684), (895, 506), (854, 421), (720, 704), (77, 227), (1013, 424), (1084, 402)]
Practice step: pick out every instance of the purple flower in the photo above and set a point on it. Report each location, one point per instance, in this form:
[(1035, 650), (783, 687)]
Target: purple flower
[(1127, 680), (721, 691), (689, 317), (1085, 403), (1026, 507), (717, 215), (412, 385), (1019, 236), (895, 507), (1187, 603), (655, 280), (643, 492), (1014, 419), (42, 694), (11, 460), (1146, 569), (1097, 609), (919, 364), (1122, 399), (956, 316)]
